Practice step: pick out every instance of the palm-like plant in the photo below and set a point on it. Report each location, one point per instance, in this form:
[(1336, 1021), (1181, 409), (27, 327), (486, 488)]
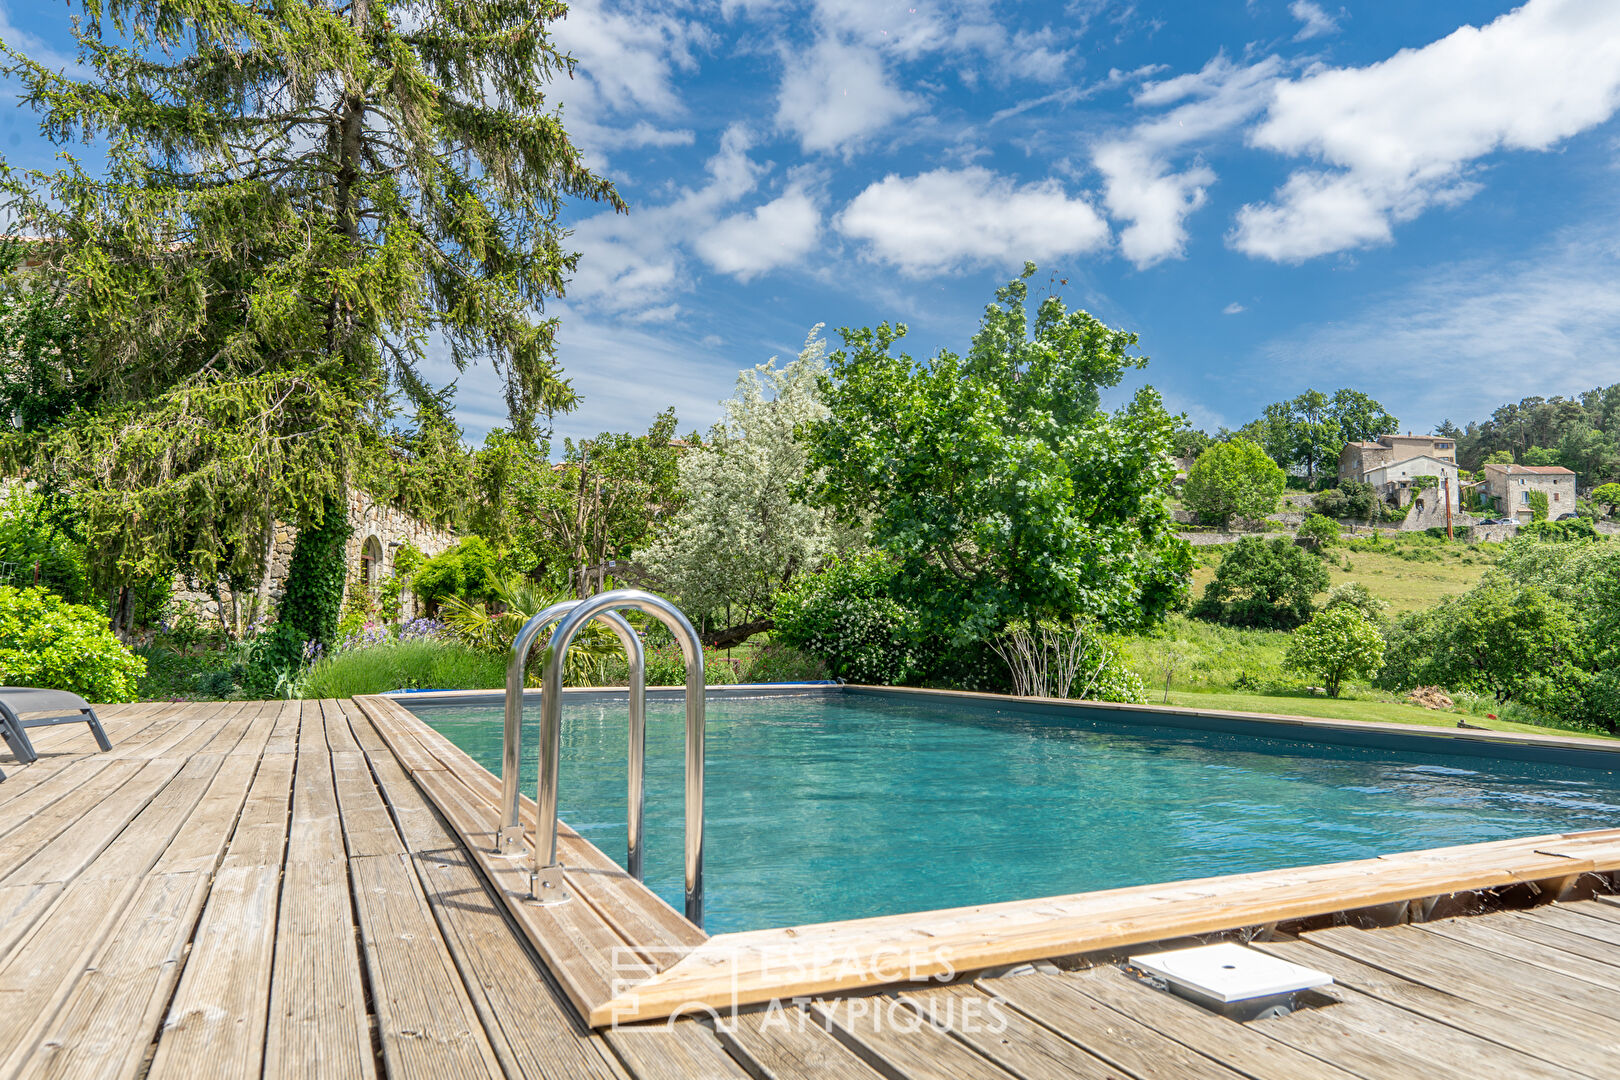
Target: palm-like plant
[(520, 599)]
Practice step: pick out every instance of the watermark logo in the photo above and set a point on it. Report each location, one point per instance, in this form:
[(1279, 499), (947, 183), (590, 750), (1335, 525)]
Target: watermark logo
[(739, 979)]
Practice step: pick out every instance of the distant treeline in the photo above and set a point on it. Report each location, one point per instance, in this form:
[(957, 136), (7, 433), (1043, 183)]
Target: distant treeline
[(1304, 435), (1580, 433)]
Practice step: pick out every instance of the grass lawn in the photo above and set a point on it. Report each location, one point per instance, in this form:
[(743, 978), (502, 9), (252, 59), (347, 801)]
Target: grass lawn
[(1410, 573), (1394, 712)]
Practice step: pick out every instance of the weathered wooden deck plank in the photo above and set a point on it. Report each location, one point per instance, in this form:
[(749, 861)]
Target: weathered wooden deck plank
[(1505, 1017), (1121, 1040), (104, 1028), (1483, 932), (318, 1024), (531, 1027), (429, 1029), (1471, 972), (890, 1036), (1198, 1029), (1006, 1036), (792, 1044), (220, 1010)]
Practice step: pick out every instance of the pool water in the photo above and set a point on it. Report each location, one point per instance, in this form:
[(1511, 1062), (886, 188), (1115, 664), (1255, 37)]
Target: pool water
[(838, 806)]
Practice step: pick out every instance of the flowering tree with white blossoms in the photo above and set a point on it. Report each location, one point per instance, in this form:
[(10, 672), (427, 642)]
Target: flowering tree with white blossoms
[(742, 532)]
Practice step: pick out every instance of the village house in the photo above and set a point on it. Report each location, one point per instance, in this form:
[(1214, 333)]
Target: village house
[(1509, 486), (1395, 481), (1359, 458)]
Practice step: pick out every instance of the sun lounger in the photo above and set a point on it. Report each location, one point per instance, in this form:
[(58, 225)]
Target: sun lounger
[(62, 707)]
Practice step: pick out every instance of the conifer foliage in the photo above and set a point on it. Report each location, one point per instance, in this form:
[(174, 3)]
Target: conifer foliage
[(299, 199)]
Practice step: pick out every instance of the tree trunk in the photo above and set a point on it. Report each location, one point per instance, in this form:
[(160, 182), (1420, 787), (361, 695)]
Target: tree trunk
[(736, 635)]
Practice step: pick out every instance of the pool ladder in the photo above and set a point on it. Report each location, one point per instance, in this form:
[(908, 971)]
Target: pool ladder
[(546, 884)]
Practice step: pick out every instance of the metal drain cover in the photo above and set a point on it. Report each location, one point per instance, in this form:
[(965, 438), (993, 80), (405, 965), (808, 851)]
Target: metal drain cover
[(1228, 972)]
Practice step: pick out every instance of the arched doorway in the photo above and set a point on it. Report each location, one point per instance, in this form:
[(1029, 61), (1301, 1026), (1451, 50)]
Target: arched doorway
[(371, 563)]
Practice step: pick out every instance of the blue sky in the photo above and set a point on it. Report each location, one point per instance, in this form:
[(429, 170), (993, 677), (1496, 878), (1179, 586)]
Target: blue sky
[(1415, 199)]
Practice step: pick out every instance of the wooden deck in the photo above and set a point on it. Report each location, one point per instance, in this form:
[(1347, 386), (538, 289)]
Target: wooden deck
[(281, 889)]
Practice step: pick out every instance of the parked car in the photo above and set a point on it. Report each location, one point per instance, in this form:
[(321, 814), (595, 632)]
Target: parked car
[(1566, 517)]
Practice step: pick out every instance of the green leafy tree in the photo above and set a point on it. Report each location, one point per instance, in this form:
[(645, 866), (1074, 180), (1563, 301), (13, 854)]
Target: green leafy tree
[(1233, 479), (996, 479), (1608, 497), (1337, 644), (1322, 532), (742, 531), (1263, 583), (297, 200), (605, 499), (1308, 432), (470, 571), (1353, 594), (1359, 417), (1499, 638)]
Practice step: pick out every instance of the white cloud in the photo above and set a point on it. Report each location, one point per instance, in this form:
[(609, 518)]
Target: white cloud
[(1461, 339), (1234, 308), (1399, 136), (632, 264), (779, 233), (837, 94), (628, 60), (1316, 22), (1140, 184), (947, 219)]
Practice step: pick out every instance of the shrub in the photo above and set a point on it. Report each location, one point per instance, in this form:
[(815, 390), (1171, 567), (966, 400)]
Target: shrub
[(844, 616), (1073, 661), (34, 533), (1607, 496), (1335, 645), (1322, 532), (1497, 638), (1580, 528), (47, 642), (470, 570), (413, 664), (1538, 506), (779, 662), (1233, 479), (1263, 583)]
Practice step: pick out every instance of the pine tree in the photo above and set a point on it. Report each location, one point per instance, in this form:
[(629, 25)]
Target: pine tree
[(299, 198)]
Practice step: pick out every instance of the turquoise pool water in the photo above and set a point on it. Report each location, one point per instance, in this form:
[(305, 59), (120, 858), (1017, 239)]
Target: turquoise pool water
[(848, 805)]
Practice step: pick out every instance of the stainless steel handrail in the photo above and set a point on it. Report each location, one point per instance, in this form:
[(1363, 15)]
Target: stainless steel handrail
[(509, 837), (545, 883)]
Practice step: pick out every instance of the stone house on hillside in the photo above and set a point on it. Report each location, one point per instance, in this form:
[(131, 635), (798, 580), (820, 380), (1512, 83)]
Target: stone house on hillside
[(1359, 458), (1509, 488), (377, 532), (1394, 481)]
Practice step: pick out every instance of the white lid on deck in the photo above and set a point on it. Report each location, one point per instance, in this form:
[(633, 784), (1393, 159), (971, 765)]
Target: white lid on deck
[(1229, 972)]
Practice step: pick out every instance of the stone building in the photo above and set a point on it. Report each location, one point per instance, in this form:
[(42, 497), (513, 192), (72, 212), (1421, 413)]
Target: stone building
[(377, 532), (1359, 458), (1509, 488), (1394, 481)]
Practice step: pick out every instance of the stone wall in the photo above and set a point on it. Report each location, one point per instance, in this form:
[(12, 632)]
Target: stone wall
[(1432, 513), (376, 529)]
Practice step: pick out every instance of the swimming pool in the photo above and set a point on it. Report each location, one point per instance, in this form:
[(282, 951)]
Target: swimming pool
[(847, 804)]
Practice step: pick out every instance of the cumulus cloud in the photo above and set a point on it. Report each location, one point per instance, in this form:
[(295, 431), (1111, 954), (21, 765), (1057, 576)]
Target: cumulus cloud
[(837, 94), (628, 60), (1141, 183), (779, 233), (1314, 21), (1397, 137), (636, 266), (1234, 308), (948, 219)]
